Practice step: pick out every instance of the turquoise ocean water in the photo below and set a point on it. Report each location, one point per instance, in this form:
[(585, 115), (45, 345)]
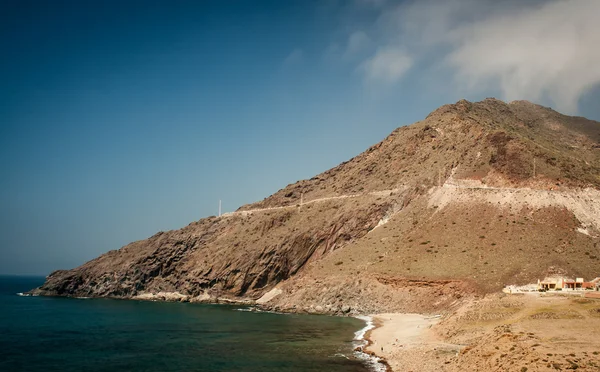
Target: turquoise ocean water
[(59, 334)]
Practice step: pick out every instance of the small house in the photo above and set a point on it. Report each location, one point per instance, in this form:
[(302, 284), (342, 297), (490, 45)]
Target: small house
[(551, 283)]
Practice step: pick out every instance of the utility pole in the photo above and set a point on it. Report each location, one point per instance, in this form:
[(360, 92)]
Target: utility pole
[(219, 207), (533, 167), (301, 198)]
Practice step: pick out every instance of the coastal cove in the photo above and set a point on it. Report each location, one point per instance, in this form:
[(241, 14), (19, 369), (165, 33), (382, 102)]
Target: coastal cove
[(51, 334)]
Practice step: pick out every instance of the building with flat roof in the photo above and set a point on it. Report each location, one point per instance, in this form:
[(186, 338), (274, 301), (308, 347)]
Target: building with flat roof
[(563, 283)]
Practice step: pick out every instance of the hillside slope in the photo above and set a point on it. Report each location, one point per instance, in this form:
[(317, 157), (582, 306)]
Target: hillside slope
[(476, 196)]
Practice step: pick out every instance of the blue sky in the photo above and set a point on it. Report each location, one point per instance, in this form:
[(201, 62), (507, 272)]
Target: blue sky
[(120, 119)]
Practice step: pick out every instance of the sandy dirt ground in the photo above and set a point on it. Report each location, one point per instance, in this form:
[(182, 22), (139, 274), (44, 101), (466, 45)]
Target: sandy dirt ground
[(496, 333), (405, 340)]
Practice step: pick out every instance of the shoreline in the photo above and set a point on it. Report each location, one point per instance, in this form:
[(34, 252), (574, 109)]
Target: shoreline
[(373, 344), (405, 341), (362, 342)]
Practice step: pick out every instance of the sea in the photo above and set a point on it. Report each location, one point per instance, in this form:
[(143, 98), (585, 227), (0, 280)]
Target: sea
[(68, 334)]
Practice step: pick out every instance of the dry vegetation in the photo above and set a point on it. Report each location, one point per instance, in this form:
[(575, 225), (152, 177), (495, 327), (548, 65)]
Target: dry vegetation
[(496, 333), (525, 333)]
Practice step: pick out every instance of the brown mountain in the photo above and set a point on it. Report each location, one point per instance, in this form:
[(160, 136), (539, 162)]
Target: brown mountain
[(474, 197)]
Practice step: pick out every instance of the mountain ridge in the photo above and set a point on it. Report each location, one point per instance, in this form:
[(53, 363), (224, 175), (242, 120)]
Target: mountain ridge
[(519, 165)]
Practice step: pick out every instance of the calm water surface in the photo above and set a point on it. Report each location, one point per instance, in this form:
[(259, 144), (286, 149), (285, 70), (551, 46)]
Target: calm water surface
[(58, 334)]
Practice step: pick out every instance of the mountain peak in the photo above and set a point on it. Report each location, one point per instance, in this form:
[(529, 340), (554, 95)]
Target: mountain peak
[(475, 196)]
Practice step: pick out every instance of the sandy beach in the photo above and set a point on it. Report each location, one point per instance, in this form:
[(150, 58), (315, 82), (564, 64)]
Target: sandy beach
[(408, 343), (495, 333)]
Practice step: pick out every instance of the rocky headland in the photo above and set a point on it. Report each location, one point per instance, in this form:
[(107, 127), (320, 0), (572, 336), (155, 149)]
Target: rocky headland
[(435, 219)]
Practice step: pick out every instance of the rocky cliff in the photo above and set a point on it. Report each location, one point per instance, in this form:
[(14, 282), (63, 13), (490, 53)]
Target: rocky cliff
[(474, 197)]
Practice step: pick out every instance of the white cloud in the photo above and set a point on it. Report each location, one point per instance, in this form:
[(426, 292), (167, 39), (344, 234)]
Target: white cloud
[(541, 50), (552, 51), (358, 42), (295, 57), (388, 65)]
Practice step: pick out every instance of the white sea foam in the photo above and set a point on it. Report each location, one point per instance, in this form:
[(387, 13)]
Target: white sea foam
[(23, 294), (360, 334), (371, 361)]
